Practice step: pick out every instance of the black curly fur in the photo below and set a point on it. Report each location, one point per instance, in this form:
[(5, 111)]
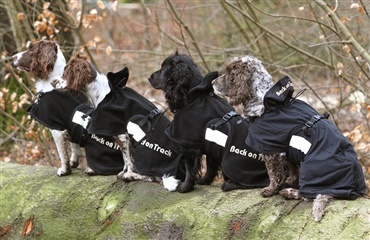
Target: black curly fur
[(177, 74)]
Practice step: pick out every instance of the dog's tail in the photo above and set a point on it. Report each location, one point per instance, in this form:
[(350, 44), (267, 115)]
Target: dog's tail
[(170, 182), (319, 204)]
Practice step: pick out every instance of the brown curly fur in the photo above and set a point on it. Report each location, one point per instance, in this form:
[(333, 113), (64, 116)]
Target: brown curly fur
[(41, 58), (239, 78), (245, 82), (78, 73)]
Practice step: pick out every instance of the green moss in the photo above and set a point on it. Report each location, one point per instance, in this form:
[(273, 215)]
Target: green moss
[(82, 207)]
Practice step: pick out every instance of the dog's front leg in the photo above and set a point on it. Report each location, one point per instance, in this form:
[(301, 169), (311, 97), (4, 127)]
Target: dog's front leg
[(275, 169), (212, 170), (61, 141), (76, 154), (128, 173), (192, 166), (124, 143)]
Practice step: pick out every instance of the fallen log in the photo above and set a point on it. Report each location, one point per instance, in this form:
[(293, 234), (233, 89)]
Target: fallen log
[(35, 202)]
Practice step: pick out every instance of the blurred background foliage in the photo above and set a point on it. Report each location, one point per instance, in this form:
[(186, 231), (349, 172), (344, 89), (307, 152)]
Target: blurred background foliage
[(322, 46)]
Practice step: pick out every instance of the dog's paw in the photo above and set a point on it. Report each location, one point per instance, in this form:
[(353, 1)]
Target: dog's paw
[(184, 188), (120, 175), (170, 183), (229, 185), (268, 192), (204, 181), (132, 176), (64, 171), (290, 193), (123, 176), (74, 163), (89, 171)]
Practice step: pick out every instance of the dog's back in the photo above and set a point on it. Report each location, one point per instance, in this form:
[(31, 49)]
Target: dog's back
[(329, 164)]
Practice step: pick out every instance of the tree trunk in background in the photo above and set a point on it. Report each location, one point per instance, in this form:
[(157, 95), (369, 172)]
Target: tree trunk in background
[(17, 30), (34, 201)]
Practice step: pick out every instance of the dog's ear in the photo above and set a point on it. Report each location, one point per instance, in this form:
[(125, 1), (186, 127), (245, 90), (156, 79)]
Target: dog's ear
[(239, 78), (44, 58), (118, 79), (78, 73), (178, 73)]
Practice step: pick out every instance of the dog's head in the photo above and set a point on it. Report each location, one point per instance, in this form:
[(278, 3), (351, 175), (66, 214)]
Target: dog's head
[(245, 82), (79, 73), (175, 78), (41, 58)]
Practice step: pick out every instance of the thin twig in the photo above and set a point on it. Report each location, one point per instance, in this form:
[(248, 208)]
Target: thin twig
[(194, 42), (347, 34)]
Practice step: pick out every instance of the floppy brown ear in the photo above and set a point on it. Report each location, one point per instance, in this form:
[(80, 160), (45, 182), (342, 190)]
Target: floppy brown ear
[(239, 79), (44, 59), (78, 73)]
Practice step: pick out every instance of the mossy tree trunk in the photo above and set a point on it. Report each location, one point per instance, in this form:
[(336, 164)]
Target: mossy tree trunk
[(100, 207)]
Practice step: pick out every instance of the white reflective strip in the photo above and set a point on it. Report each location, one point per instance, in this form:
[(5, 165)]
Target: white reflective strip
[(216, 136), (77, 118), (300, 143), (135, 130)]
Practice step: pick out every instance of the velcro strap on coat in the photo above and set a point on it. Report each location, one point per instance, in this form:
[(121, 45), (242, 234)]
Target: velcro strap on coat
[(315, 118), (225, 119)]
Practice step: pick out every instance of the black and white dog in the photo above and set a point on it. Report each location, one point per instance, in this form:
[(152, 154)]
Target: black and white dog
[(327, 162), (204, 123), (135, 122)]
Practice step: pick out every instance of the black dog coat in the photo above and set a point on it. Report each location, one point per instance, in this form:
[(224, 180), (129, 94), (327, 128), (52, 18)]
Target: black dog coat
[(225, 139), (103, 155), (124, 110), (219, 140), (57, 110), (328, 162)]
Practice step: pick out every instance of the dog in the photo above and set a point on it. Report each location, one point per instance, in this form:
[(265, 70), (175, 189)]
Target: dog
[(46, 61), (135, 122), (328, 165), (55, 108), (204, 123)]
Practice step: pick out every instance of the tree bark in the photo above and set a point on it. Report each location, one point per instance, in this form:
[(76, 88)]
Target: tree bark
[(34, 201)]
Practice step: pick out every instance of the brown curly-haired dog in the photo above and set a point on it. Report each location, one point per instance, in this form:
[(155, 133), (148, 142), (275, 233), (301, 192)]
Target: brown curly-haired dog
[(328, 165), (245, 82)]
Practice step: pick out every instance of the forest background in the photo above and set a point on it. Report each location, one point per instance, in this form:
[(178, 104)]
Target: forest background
[(322, 45)]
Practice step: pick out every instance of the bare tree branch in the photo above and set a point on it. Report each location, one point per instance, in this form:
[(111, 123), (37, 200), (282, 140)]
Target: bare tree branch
[(194, 42), (347, 34)]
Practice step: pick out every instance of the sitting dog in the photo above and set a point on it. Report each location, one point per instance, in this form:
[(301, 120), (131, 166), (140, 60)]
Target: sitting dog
[(46, 61), (281, 123), (206, 124), (136, 123), (55, 108)]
